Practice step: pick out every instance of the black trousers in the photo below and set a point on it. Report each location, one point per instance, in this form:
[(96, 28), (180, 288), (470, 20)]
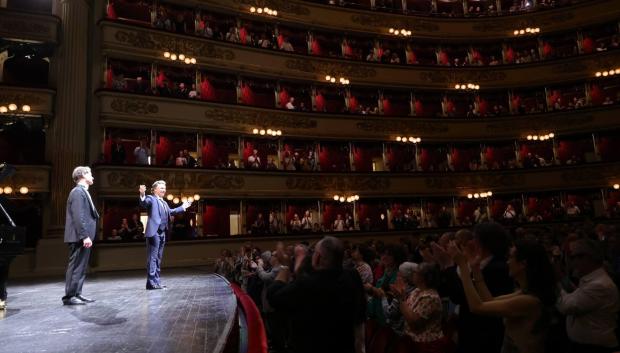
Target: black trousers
[(76, 269), (5, 262)]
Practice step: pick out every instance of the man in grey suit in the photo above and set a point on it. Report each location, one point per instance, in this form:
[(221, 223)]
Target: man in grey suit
[(156, 228), (80, 229)]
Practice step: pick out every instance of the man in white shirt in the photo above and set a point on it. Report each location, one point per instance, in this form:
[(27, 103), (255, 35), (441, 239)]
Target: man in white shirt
[(142, 153), (591, 309)]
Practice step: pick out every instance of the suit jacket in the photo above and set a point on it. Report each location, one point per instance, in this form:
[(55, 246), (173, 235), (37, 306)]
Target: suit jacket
[(81, 219), (157, 215)]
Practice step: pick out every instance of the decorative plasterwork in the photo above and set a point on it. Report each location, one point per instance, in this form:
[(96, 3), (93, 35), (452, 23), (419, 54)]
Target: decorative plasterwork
[(134, 106), (357, 70), (164, 42), (338, 183), (175, 180), (403, 127), (260, 118)]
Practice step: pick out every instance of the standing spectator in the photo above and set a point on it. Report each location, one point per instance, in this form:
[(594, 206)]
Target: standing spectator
[(142, 153), (276, 323), (290, 105), (361, 255), (422, 310), (326, 306), (591, 309), (523, 311), (118, 152), (391, 259)]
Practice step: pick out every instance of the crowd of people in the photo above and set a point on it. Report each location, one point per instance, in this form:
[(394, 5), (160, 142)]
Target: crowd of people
[(483, 289)]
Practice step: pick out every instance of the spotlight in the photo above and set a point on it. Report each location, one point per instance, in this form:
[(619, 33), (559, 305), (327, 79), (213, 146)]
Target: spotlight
[(521, 32), (183, 199), (516, 32), (190, 198), (332, 80), (275, 13), (259, 10), (391, 30), (398, 138), (552, 135), (269, 131), (598, 74), (396, 32), (605, 73), (411, 139), (489, 193), (457, 86)]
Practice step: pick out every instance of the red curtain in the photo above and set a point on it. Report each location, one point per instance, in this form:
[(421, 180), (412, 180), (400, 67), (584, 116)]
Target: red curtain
[(587, 45), (362, 158), (109, 78), (465, 208), (207, 91), (320, 102), (444, 58), (353, 103), (216, 219), (596, 94), (316, 48), (613, 198), (128, 145), (483, 106), (543, 149), (373, 211), (566, 149), (114, 214), (111, 11), (243, 35), (547, 50), (461, 158), (608, 148), (509, 56), (247, 95), (248, 149), (284, 97), (334, 158), (554, 96), (419, 108), (399, 155)]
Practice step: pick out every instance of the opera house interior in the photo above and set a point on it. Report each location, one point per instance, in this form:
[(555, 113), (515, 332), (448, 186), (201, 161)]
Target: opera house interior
[(459, 161)]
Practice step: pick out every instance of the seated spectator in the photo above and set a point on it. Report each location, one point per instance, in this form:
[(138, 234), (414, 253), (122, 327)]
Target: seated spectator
[(509, 215), (274, 223), (259, 226), (233, 35), (181, 161), (114, 236), (591, 308), (608, 101), (524, 311), (136, 227), (290, 105), (572, 210), (193, 93), (271, 164), (394, 59), (142, 87), (422, 310), (181, 91), (330, 319), (286, 45), (124, 231), (264, 42)]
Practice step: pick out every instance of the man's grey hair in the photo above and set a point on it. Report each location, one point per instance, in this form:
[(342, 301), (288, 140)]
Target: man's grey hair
[(332, 252), (157, 183), (79, 172), (407, 269)]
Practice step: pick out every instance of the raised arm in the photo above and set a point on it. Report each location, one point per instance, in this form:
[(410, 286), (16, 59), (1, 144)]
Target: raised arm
[(145, 202)]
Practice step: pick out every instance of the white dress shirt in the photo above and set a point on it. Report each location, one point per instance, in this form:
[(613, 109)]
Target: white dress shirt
[(591, 310)]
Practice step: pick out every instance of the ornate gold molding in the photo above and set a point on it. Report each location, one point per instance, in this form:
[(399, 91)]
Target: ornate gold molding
[(549, 123), (463, 75), (28, 26), (164, 42), (175, 180), (134, 106), (41, 101), (471, 180), (34, 177), (331, 68), (404, 127), (260, 118), (351, 183), (533, 20), (382, 21)]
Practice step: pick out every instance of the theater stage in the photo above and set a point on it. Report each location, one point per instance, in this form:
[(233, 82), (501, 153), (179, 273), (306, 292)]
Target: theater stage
[(194, 314)]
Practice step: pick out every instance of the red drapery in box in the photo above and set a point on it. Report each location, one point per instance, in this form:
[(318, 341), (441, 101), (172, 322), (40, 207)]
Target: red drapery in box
[(284, 97), (613, 198), (465, 208), (316, 48), (248, 150), (216, 219), (541, 206), (596, 94), (567, 149), (363, 155), (334, 158), (129, 146), (114, 214), (608, 148), (373, 211), (462, 157), (207, 91), (587, 45), (543, 149), (400, 155), (430, 157)]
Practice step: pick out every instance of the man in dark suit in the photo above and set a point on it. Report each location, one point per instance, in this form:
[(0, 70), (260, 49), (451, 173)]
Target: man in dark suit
[(80, 229), (156, 228)]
